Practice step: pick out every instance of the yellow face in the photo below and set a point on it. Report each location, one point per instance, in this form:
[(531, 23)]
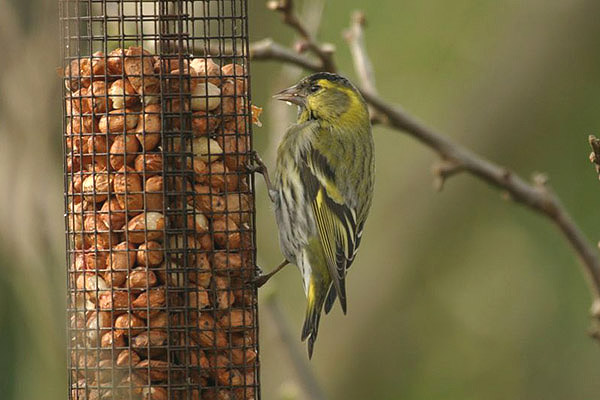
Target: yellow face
[(333, 101)]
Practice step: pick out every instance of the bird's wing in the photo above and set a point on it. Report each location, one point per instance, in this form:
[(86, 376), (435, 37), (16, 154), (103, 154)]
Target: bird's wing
[(332, 295), (335, 219)]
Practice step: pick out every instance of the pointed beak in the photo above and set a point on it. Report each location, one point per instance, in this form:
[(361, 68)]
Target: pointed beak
[(292, 95)]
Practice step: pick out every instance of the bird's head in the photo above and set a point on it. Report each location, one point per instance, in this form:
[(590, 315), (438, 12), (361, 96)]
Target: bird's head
[(326, 96)]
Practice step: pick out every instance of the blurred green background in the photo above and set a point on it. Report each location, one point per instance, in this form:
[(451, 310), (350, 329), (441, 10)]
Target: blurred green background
[(456, 295)]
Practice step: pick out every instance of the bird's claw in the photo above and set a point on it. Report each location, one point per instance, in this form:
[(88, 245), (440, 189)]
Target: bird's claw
[(253, 281), (251, 167), (259, 270), (259, 280), (255, 163)]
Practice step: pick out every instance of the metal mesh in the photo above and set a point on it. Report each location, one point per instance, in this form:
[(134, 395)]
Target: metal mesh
[(159, 207)]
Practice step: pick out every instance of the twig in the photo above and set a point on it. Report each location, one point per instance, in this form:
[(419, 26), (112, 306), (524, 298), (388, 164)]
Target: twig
[(323, 51), (356, 42), (267, 49), (535, 196), (362, 64), (305, 375), (443, 170), (595, 154), (595, 311)]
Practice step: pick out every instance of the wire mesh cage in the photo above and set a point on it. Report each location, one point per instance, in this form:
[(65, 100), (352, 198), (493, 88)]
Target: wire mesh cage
[(159, 205)]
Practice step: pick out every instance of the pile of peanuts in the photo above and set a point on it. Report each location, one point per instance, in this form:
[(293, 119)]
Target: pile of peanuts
[(159, 302)]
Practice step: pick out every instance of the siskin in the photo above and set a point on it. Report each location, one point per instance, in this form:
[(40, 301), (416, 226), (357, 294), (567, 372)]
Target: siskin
[(323, 189)]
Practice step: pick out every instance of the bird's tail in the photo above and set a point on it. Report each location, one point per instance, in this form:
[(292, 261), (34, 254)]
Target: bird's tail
[(316, 299)]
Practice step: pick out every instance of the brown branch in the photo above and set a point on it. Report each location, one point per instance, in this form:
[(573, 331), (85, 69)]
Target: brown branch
[(456, 158), (443, 170), (595, 311), (595, 154), (362, 64), (267, 49), (323, 51), (356, 42)]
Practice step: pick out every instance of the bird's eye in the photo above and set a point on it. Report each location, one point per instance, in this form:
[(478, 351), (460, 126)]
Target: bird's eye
[(314, 88)]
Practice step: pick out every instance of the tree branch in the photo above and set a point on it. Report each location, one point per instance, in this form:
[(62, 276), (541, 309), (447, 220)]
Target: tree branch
[(356, 42), (455, 158), (267, 49), (595, 154), (323, 51)]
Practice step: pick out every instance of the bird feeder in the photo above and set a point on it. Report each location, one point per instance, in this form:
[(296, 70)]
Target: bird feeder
[(159, 206)]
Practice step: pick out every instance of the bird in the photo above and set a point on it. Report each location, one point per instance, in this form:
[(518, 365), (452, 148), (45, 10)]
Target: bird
[(322, 189)]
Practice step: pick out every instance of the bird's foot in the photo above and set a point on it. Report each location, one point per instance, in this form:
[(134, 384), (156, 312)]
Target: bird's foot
[(264, 278), (259, 280), (255, 163)]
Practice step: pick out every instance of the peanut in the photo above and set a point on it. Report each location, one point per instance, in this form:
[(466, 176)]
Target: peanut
[(112, 214), (204, 123), (149, 303), (207, 68), (122, 257), (129, 323), (149, 164), (156, 370), (148, 127), (122, 94), (114, 62), (236, 319), (98, 101), (118, 121), (150, 254), (96, 186), (123, 150), (146, 226), (154, 193), (126, 358), (141, 278), (150, 343), (128, 189)]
